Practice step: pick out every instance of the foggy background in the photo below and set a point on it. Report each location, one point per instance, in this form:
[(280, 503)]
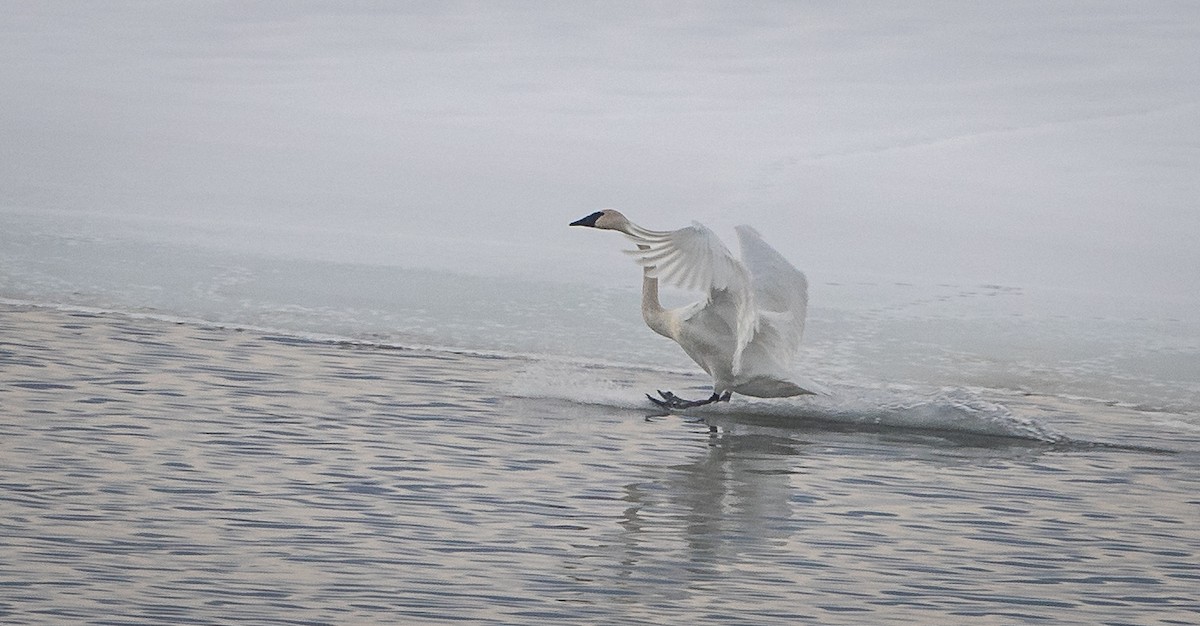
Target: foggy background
[(1052, 145)]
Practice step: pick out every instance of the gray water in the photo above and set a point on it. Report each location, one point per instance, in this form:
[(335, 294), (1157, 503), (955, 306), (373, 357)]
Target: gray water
[(159, 472), (203, 434)]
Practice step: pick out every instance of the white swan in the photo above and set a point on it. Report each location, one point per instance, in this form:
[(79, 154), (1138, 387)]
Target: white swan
[(746, 333)]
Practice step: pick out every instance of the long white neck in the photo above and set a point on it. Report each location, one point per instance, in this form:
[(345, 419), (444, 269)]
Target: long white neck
[(652, 311)]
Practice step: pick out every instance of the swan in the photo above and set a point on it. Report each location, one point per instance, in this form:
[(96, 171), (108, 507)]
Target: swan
[(746, 332)]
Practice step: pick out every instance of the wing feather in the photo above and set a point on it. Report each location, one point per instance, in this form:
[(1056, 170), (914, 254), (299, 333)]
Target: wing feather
[(780, 293), (694, 258)]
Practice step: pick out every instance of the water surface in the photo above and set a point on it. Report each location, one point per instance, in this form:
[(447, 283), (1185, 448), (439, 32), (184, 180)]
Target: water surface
[(169, 472)]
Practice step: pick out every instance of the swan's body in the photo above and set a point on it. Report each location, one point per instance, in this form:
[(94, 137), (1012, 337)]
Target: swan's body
[(746, 332)]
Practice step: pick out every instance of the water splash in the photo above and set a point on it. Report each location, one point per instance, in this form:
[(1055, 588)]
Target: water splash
[(955, 410)]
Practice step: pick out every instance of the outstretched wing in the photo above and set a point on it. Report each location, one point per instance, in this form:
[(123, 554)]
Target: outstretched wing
[(691, 257), (694, 258), (780, 293)]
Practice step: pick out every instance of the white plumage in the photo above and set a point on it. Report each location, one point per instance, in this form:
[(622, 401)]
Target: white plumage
[(747, 330)]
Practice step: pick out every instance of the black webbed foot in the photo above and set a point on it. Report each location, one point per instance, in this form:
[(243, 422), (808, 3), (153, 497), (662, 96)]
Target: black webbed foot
[(671, 401)]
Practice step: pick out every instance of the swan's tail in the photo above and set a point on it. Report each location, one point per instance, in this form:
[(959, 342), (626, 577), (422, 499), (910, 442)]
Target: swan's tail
[(770, 387)]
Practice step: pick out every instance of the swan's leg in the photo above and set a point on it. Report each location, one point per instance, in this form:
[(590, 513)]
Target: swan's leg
[(672, 401)]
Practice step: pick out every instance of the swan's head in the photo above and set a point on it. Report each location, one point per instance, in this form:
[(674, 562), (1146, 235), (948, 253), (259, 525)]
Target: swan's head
[(608, 219)]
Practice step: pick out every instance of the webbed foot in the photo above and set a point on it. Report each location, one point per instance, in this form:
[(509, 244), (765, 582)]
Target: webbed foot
[(671, 401)]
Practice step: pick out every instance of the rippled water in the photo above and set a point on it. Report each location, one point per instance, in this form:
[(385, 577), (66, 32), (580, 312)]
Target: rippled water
[(177, 473)]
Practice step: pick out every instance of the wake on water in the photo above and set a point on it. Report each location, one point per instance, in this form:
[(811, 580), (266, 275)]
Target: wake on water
[(953, 410), (847, 406)]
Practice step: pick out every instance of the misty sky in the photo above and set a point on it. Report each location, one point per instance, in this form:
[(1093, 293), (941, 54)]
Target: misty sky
[(1022, 143)]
